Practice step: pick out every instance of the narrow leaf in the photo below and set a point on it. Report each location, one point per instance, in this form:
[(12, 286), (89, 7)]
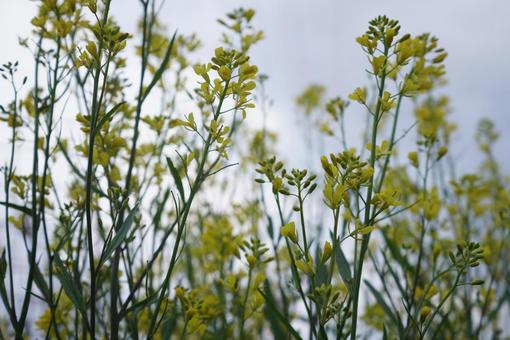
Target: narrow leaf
[(3, 266), (161, 69), (107, 116), (3, 271), (394, 275), (177, 178), (21, 208), (120, 235), (272, 306), (40, 282), (343, 266), (395, 252), (69, 286), (381, 302), (362, 231), (137, 306)]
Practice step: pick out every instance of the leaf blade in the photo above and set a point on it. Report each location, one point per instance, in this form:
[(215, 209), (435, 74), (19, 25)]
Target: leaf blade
[(343, 266), (271, 304), (107, 116), (177, 178), (69, 286), (120, 235), (161, 69), (381, 302)]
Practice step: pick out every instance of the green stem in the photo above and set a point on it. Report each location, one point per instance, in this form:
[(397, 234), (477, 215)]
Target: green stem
[(366, 238), (443, 301), (114, 315), (303, 228), (89, 176), (294, 269), (33, 252), (243, 307), (8, 177), (422, 238), (201, 176)]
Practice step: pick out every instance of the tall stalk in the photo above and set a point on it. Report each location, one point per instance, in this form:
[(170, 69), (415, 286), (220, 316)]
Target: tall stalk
[(368, 203), (95, 109)]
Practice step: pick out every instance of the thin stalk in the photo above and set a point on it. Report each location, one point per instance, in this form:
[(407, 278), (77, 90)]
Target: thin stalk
[(336, 242), (294, 269), (443, 301), (201, 176), (42, 214), (392, 144), (89, 177), (422, 237), (243, 307), (33, 252), (114, 316), (366, 238), (303, 228), (8, 178)]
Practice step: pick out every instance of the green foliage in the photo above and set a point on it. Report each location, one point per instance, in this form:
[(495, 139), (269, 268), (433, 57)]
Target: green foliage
[(136, 242)]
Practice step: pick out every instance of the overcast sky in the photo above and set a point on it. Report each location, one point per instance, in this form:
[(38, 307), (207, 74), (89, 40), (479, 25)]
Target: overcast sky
[(313, 42)]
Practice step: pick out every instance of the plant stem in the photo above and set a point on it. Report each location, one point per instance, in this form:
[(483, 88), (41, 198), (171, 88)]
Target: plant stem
[(366, 238), (243, 307), (114, 315), (96, 106), (201, 176)]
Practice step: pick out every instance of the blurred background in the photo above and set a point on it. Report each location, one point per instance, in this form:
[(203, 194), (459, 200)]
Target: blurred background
[(314, 42)]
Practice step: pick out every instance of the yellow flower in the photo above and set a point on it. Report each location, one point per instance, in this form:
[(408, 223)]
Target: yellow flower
[(252, 261), (424, 312), (289, 230), (387, 103), (326, 253), (305, 267), (277, 184), (413, 158), (225, 73), (359, 95), (443, 150), (378, 63)]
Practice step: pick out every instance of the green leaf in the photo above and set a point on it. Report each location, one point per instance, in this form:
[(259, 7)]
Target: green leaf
[(362, 231), (161, 69), (177, 178), (270, 227), (394, 275), (21, 208), (395, 252), (270, 303), (169, 322), (3, 266), (343, 266), (41, 283), (161, 206), (120, 235), (107, 116), (381, 302), (138, 306), (69, 286), (3, 271), (322, 269)]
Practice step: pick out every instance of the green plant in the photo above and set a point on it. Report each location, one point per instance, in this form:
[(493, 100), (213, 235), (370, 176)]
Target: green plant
[(135, 242)]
